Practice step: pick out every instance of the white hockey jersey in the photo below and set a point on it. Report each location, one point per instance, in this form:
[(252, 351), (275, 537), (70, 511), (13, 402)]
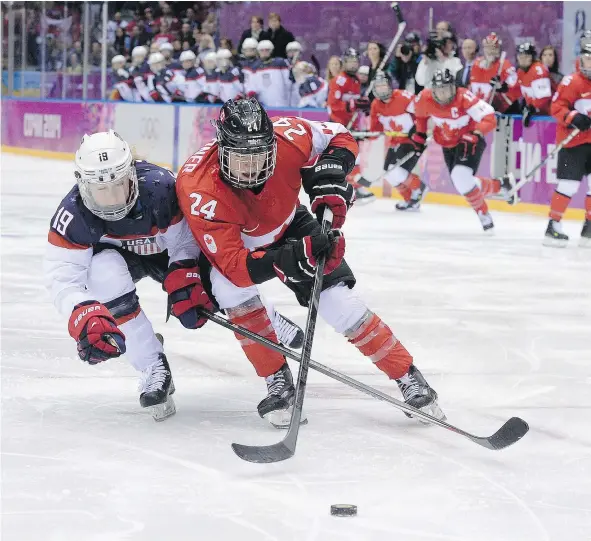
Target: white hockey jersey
[(271, 82)]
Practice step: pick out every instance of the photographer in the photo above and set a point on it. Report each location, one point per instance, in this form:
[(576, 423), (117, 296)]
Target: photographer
[(405, 62), (439, 55)]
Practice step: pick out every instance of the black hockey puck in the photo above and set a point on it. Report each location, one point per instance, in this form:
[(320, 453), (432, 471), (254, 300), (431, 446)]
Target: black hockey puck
[(343, 510)]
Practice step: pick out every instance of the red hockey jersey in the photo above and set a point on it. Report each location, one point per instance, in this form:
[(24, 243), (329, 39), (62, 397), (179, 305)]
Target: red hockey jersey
[(481, 75), (395, 116), (573, 96), (536, 86), (342, 89)]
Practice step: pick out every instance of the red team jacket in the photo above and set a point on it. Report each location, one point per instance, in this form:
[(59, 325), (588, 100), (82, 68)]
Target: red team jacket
[(480, 77), (341, 90), (464, 114), (573, 96), (396, 115), (227, 222), (536, 87)]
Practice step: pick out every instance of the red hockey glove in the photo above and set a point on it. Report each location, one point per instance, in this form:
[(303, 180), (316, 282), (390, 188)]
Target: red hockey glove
[(325, 182), (185, 293), (469, 143), (418, 140), (296, 260), (96, 332)]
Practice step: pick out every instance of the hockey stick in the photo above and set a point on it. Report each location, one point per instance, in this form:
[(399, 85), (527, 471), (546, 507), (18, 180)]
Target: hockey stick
[(286, 448), (530, 175), (390, 50), (364, 134), (494, 90), (511, 432)]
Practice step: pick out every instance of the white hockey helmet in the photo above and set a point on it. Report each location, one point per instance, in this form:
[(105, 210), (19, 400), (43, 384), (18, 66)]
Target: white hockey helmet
[(118, 61), (223, 58), (187, 59), (249, 47), (302, 70), (139, 52), (105, 173), (156, 62), (209, 61), (293, 48), (265, 49), (166, 46)]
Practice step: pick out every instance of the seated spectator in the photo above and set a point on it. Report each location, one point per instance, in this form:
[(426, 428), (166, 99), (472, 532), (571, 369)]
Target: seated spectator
[(469, 48), (177, 49), (255, 31), (119, 42), (226, 43), (209, 25), (333, 67), (138, 37), (167, 16), (278, 35), (187, 46), (187, 34), (149, 19), (165, 34), (112, 27), (75, 67), (196, 37), (191, 20), (549, 58), (96, 54)]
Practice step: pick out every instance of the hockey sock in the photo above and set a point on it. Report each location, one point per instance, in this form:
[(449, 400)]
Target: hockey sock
[(354, 176), (374, 339), (476, 199), (256, 319), (588, 206), (413, 182), (558, 206), (489, 185)]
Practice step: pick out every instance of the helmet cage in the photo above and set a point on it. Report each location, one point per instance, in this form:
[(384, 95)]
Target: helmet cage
[(585, 55)]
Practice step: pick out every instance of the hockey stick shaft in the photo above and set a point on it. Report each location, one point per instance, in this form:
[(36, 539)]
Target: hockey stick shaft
[(530, 175), (489, 443), (364, 134), (501, 62), (286, 448)]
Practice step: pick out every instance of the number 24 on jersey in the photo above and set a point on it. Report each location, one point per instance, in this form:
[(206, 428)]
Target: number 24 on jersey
[(207, 210)]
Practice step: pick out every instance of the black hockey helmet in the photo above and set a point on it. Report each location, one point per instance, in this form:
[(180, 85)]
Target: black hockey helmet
[(247, 147), (382, 86), (585, 60), (350, 61), (443, 87), (526, 49)]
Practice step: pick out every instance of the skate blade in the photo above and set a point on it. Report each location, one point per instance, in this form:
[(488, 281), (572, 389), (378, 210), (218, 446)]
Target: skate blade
[(281, 418), (365, 201), (431, 409), (554, 243), (161, 412), (409, 209), (584, 242)]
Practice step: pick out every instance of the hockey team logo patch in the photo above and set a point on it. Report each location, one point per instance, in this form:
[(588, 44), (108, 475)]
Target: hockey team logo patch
[(210, 243)]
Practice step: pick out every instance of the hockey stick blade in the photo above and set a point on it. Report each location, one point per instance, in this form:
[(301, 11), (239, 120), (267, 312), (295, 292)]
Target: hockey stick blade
[(263, 455), (511, 432)]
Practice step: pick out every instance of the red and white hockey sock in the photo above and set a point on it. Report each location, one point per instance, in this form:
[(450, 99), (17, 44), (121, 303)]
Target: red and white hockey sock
[(588, 204), (264, 360), (375, 340), (354, 176), (476, 199), (489, 186), (558, 206), (412, 183)]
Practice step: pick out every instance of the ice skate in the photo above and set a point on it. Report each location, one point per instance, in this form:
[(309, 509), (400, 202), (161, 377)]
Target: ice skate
[(554, 236), (156, 387), (277, 406), (585, 240), (507, 184), (486, 220), (288, 333), (418, 394), (363, 196), (414, 203)]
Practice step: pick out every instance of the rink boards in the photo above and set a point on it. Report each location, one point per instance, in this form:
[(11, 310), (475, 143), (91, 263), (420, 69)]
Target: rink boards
[(169, 134)]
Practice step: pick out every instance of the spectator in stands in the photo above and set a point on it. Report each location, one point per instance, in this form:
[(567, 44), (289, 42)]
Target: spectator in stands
[(172, 23), (403, 66), (191, 20), (278, 35), (442, 27), (206, 45), (255, 31), (177, 49), (439, 55), (139, 36), (75, 67), (119, 42), (333, 67), (165, 34), (149, 19), (112, 27), (186, 34), (187, 46), (469, 48), (549, 57), (375, 52), (226, 43), (96, 54)]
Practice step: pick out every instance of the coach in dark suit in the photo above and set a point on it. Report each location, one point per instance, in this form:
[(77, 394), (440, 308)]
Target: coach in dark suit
[(469, 52)]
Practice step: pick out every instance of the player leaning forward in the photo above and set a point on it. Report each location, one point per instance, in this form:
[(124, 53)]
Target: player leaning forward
[(571, 107), (240, 196), (120, 223)]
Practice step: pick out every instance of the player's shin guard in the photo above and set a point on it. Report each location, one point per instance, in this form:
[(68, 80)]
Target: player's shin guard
[(374, 339), (253, 316), (489, 186), (412, 183), (558, 206)]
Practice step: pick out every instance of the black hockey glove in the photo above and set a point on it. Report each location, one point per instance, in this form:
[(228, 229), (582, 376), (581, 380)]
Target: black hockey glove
[(528, 112), (583, 122), (469, 144), (498, 85), (325, 182), (418, 140), (296, 260)]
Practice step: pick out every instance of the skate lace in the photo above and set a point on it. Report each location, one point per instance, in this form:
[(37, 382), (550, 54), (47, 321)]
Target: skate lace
[(153, 377), (285, 330), (409, 386), (275, 383)]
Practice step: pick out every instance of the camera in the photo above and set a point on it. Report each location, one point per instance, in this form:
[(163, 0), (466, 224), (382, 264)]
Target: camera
[(433, 44), (406, 49)]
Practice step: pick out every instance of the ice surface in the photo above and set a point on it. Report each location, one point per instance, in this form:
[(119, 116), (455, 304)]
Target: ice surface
[(501, 326)]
